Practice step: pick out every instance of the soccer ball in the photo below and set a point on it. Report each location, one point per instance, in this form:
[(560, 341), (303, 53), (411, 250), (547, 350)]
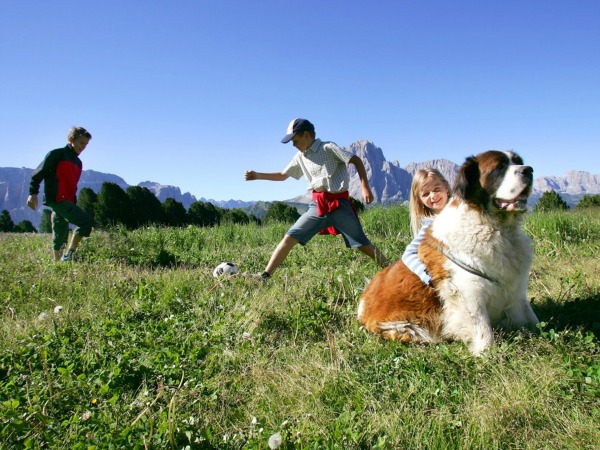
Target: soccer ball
[(225, 268)]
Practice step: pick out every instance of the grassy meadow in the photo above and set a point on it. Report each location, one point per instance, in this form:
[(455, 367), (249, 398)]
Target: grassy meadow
[(137, 346)]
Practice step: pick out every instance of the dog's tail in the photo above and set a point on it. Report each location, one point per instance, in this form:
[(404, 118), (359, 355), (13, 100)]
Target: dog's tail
[(405, 332)]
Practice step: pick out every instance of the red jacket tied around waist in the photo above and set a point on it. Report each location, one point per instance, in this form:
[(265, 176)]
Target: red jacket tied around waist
[(328, 202)]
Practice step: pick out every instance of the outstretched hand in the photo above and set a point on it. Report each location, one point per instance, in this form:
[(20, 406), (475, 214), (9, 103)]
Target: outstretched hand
[(32, 202), (367, 195)]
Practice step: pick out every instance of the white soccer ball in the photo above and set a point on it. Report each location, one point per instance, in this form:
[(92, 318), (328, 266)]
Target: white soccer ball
[(225, 268)]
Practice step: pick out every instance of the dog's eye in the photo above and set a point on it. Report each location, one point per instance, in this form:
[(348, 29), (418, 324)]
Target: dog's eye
[(502, 165), (516, 159)]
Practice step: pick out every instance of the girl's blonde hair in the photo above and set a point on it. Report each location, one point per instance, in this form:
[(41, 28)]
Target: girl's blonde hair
[(417, 209)]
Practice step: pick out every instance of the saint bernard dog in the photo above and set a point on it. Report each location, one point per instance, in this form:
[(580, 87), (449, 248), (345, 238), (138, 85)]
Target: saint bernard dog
[(478, 257)]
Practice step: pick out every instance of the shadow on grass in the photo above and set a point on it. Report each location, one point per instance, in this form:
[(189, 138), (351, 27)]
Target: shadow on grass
[(573, 313)]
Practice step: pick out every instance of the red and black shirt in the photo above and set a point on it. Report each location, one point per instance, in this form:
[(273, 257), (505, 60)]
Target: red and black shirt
[(60, 170)]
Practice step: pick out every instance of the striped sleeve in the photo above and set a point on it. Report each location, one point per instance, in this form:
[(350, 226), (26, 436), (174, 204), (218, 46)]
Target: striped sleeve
[(410, 258)]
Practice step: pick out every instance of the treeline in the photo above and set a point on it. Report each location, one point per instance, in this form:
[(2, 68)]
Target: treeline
[(138, 207), (552, 201)]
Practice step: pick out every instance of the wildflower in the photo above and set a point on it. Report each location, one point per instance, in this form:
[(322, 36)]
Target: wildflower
[(57, 309), (275, 441), (86, 416)]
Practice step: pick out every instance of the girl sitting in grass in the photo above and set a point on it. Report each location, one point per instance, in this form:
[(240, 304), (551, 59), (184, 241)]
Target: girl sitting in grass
[(429, 193)]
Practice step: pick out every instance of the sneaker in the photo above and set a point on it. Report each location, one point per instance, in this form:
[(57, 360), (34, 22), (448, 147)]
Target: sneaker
[(69, 256), (261, 276), (265, 276)]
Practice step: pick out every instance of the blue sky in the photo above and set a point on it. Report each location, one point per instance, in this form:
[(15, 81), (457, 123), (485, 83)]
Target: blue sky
[(192, 93)]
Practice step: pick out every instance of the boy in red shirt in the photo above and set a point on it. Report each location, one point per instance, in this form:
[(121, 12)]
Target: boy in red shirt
[(60, 170)]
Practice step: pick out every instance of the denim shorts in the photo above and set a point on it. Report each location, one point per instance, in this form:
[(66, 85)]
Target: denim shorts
[(342, 218)]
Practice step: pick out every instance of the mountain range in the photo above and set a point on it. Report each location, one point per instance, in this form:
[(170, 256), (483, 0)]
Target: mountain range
[(390, 184)]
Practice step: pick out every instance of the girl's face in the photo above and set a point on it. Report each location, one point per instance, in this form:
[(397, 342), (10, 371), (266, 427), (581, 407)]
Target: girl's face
[(434, 194)]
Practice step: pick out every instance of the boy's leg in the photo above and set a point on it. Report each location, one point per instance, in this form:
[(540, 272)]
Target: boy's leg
[(77, 216), (280, 253), (375, 254), (60, 234), (75, 240), (345, 220), (307, 225)]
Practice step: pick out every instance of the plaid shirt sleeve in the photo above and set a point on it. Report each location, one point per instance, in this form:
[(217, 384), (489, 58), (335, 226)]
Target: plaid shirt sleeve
[(342, 154), (293, 169)]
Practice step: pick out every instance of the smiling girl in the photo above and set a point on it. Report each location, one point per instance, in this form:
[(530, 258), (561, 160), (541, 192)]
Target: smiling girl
[(429, 193)]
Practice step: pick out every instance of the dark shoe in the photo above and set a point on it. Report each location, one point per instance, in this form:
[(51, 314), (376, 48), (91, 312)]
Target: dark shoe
[(69, 256)]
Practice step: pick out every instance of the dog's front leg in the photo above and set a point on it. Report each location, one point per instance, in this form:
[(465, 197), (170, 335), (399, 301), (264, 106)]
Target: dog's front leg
[(521, 315), (466, 318), (482, 336)]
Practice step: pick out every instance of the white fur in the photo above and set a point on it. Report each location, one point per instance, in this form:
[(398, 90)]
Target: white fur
[(472, 305)]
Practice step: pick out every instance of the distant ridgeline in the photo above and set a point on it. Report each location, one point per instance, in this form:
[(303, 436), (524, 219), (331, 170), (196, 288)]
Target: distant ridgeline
[(390, 184)]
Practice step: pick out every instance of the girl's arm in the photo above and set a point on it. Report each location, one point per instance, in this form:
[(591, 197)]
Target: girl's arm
[(412, 261)]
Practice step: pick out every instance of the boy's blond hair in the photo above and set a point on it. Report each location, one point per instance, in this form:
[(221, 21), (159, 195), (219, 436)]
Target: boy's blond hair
[(417, 209), (75, 132)]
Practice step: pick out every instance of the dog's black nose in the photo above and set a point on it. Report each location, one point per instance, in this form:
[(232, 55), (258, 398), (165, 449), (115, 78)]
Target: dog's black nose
[(526, 171)]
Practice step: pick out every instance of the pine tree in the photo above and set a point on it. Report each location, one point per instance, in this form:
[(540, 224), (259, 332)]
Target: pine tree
[(204, 214), (25, 226), (87, 200), (175, 213), (147, 209), (281, 212), (6, 223), (46, 221), (113, 207), (589, 201), (551, 201)]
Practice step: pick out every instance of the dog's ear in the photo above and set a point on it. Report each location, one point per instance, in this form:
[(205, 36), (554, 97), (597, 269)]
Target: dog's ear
[(467, 185)]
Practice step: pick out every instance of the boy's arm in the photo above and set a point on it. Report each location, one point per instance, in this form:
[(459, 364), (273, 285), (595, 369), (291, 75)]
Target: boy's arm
[(364, 181), (37, 177), (271, 176)]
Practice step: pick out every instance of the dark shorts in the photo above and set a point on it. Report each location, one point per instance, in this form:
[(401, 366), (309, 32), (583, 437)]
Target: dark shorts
[(342, 218), (63, 214)]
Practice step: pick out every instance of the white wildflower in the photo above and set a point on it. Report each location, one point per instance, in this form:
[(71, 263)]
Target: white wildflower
[(275, 441), (86, 416), (57, 309)]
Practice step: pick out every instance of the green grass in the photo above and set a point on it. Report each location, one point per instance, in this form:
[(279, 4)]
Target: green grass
[(150, 351)]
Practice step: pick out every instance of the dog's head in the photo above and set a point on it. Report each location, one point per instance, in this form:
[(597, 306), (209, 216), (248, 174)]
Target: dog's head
[(495, 181)]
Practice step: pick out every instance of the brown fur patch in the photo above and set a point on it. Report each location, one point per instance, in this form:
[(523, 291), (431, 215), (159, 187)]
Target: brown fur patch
[(397, 294)]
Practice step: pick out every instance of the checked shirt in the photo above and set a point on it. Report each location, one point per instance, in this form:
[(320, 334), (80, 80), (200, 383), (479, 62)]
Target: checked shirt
[(324, 165)]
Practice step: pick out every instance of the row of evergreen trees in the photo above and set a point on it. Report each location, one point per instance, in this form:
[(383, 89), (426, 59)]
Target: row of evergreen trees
[(138, 207), (551, 201)]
